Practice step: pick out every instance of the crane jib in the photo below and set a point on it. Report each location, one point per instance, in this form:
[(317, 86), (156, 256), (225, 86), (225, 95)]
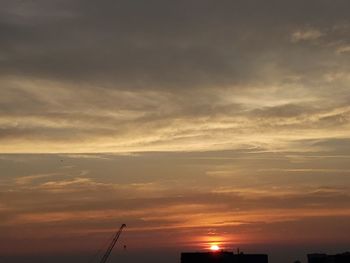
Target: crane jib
[(115, 239)]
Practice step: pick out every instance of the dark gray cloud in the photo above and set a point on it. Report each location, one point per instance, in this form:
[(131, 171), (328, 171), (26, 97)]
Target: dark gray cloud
[(159, 44), (171, 73)]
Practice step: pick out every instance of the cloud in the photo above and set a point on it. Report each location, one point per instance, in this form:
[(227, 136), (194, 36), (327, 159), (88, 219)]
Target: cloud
[(123, 45), (26, 180), (184, 119), (192, 210), (306, 35), (175, 193), (343, 49), (127, 78)]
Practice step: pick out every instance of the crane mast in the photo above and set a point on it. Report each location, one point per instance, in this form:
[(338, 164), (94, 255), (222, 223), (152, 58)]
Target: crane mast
[(115, 239)]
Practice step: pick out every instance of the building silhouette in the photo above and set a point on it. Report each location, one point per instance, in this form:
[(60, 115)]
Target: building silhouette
[(324, 258), (222, 257)]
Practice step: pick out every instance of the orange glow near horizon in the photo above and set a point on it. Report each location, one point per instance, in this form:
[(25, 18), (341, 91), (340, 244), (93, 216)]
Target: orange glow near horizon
[(213, 241)]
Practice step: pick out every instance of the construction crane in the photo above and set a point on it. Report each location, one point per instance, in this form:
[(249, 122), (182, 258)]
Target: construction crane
[(115, 239)]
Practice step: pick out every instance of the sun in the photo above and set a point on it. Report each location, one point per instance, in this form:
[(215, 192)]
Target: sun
[(214, 248)]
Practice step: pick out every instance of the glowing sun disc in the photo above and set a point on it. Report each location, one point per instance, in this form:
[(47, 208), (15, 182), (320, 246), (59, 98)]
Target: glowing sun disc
[(214, 248)]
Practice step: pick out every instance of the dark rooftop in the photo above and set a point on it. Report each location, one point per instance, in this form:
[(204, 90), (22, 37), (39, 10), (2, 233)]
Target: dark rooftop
[(222, 257)]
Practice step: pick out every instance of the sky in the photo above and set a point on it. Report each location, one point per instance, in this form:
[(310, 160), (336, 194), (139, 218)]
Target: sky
[(193, 122)]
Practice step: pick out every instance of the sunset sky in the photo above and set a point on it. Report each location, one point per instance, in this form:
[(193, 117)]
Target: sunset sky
[(194, 122)]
